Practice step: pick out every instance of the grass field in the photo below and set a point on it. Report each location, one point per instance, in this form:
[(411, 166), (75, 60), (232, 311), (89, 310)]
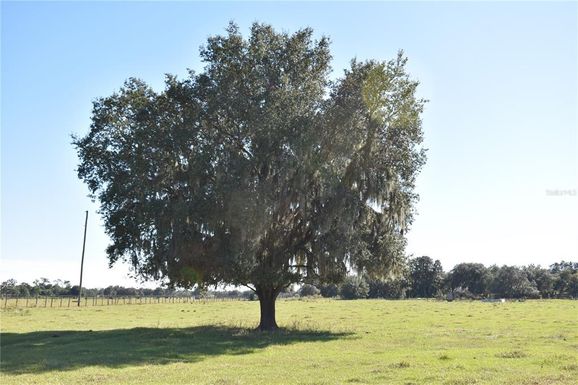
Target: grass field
[(324, 342)]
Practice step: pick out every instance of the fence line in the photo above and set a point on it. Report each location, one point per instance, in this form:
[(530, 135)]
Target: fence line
[(92, 301)]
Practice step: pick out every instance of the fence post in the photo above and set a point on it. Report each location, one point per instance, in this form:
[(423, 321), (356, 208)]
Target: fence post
[(26, 302), (68, 301), (45, 301), (36, 303), (51, 301), (16, 301)]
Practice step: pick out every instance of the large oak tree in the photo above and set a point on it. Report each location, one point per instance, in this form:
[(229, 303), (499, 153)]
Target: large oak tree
[(258, 171)]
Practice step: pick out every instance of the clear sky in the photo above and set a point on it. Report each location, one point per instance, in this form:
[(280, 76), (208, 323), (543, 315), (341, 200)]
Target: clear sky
[(501, 126)]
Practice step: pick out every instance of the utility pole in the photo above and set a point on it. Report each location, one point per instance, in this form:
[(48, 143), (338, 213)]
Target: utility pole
[(82, 260)]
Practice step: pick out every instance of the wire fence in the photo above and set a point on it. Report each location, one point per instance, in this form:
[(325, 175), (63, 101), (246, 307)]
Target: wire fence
[(69, 301)]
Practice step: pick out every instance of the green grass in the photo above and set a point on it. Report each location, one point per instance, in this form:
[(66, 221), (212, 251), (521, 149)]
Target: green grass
[(323, 342)]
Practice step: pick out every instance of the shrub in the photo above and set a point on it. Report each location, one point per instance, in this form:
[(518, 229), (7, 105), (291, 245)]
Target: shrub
[(389, 288), (354, 287), (308, 291), (329, 290)]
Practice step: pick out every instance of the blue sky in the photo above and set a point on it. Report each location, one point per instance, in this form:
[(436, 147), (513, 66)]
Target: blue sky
[(501, 126)]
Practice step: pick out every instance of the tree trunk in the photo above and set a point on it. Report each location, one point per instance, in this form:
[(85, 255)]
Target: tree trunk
[(267, 297)]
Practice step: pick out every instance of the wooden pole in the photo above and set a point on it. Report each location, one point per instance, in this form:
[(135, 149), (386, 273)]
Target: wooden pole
[(82, 258)]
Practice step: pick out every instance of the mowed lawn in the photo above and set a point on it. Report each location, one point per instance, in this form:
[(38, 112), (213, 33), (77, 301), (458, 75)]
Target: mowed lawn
[(324, 342)]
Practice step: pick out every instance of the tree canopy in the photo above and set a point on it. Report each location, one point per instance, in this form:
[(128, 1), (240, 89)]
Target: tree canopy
[(473, 277), (426, 276), (259, 170)]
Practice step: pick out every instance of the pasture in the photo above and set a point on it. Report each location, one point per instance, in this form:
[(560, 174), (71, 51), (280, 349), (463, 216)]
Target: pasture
[(323, 342)]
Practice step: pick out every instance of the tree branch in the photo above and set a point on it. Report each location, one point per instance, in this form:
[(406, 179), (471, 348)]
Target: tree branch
[(249, 287)]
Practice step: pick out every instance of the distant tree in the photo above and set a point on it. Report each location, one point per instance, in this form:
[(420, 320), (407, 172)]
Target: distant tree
[(565, 283), (354, 287), (43, 286), (542, 279), (287, 292), (110, 291), (565, 276), (471, 276), (329, 290), (130, 291), (573, 285), (260, 170), (559, 267), (512, 282), (308, 290), (59, 287), (391, 288), (426, 277), (159, 291), (86, 292), (74, 291), (25, 289), (147, 292), (9, 287)]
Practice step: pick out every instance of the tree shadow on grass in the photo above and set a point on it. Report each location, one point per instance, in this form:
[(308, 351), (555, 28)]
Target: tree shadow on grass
[(57, 350)]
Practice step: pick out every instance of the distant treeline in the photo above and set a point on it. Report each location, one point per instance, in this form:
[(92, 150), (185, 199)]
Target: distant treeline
[(43, 287), (421, 277)]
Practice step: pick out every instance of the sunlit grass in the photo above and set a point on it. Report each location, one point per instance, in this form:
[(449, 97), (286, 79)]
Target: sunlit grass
[(323, 342)]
